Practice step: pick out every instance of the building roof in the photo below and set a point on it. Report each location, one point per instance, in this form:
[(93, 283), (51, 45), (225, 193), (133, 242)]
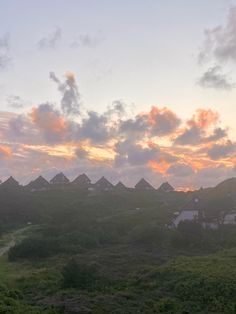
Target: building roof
[(144, 185), (103, 183), (82, 180), (165, 187), (60, 178), (10, 182), (38, 183), (120, 186)]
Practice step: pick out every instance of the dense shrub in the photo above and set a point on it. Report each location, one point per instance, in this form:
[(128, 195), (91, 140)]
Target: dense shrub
[(34, 248), (79, 276)]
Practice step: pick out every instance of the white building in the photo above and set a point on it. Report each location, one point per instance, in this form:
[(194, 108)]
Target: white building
[(190, 215), (230, 219)]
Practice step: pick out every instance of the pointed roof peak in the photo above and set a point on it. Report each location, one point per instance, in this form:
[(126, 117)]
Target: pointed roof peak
[(165, 187), (10, 182), (120, 186), (103, 183), (144, 185), (59, 178), (82, 180), (39, 183)]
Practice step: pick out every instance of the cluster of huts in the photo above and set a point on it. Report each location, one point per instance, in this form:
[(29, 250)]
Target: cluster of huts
[(83, 182), (194, 211)]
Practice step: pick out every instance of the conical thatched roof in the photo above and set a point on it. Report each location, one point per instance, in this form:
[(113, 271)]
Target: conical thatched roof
[(165, 187), (38, 184), (120, 186), (82, 181), (144, 185), (10, 183), (60, 178), (103, 184)]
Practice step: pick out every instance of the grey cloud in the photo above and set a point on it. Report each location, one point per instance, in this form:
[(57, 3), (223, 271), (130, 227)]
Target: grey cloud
[(70, 101), (196, 135), (5, 58), (51, 40), (135, 128), (220, 41), (15, 102), (189, 136), (5, 42), (218, 151), (86, 40), (95, 128), (214, 78), (140, 156), (117, 109), (134, 154), (20, 129), (180, 170), (164, 122), (218, 134), (81, 153)]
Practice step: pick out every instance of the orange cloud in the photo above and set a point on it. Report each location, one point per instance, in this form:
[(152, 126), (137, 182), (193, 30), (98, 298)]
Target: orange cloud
[(155, 112), (204, 118), (5, 152), (48, 120), (160, 167), (70, 76)]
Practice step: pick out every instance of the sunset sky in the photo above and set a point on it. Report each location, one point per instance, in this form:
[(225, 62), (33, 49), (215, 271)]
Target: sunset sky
[(124, 89)]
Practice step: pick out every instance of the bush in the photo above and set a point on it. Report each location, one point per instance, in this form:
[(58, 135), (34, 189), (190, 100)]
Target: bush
[(79, 276), (34, 248)]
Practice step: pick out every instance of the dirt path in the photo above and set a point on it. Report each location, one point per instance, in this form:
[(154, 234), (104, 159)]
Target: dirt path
[(13, 238)]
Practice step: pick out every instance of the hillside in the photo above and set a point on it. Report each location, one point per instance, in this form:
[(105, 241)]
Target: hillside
[(113, 252)]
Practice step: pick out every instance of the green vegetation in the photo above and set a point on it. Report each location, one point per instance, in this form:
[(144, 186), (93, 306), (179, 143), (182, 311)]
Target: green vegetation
[(113, 253)]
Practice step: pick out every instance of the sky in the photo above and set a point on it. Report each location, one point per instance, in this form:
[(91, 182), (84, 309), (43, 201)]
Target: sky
[(124, 89)]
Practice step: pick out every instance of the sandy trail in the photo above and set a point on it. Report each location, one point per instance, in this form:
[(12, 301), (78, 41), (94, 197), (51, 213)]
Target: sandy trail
[(14, 236)]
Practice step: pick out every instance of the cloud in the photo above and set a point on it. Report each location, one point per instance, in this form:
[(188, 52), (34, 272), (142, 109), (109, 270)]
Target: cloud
[(214, 78), (225, 150), (51, 40), (204, 118), (5, 152), (5, 58), (220, 41), (87, 41), (134, 127), (49, 120), (197, 131), (180, 170), (81, 153), (15, 102), (154, 144), (157, 122), (5, 42), (162, 121), (70, 101), (94, 127)]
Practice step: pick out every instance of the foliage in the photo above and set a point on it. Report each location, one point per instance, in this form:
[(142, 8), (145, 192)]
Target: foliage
[(80, 276)]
